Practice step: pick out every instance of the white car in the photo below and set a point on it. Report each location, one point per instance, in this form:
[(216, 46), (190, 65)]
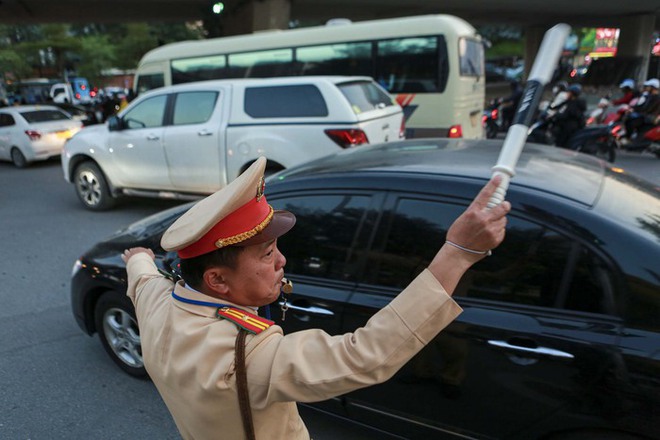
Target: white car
[(190, 140), (34, 132)]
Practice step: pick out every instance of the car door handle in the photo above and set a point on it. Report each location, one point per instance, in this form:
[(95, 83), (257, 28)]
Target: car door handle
[(204, 133), (545, 351), (312, 309), (152, 137)]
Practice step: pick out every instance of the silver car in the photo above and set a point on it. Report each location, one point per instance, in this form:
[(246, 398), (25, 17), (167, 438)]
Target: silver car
[(34, 132)]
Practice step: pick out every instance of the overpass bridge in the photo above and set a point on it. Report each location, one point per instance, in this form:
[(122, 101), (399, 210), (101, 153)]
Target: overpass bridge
[(637, 20)]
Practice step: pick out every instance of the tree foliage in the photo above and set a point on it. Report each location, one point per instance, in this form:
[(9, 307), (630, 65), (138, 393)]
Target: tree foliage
[(85, 50)]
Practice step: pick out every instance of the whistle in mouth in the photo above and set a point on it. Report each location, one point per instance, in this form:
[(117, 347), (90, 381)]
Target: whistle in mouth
[(287, 286)]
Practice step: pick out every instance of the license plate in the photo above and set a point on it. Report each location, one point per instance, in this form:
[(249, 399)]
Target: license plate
[(63, 134)]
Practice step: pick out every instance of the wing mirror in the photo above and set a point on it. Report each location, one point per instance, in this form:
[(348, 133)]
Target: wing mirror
[(115, 123)]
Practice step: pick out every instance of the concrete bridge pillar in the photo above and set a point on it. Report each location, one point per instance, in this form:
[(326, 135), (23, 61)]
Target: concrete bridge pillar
[(248, 16), (635, 40)]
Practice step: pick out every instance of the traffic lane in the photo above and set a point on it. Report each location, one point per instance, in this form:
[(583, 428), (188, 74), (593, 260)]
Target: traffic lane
[(58, 383), (44, 229)]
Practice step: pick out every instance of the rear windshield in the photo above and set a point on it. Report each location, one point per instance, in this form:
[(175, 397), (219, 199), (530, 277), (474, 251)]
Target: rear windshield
[(44, 116), (293, 101), (365, 96)]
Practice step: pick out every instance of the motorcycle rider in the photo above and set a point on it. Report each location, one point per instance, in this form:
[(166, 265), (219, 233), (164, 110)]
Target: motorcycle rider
[(646, 111), (570, 116), (559, 97), (627, 86)]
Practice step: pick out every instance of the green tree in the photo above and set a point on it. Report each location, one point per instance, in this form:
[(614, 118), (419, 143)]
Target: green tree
[(96, 55), (13, 65), (138, 41)]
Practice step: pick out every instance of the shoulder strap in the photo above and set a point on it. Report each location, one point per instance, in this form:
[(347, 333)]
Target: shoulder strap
[(255, 324), (241, 383)]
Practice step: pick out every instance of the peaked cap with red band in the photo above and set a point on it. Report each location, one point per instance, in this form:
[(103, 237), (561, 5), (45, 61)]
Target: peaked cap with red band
[(236, 215)]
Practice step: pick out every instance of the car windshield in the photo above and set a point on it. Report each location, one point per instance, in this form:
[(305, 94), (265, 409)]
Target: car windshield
[(365, 96), (44, 116)]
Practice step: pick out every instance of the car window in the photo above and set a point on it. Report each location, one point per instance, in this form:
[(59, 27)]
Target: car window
[(364, 96), (300, 101), (322, 244), (6, 120), (534, 266), (146, 114), (194, 107), (35, 116)]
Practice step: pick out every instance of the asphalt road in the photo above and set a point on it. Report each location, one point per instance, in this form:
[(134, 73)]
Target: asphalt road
[(56, 382)]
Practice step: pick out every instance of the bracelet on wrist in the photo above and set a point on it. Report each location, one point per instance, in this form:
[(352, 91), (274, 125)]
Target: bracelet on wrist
[(487, 253)]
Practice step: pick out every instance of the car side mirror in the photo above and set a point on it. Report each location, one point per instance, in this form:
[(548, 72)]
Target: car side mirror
[(115, 123)]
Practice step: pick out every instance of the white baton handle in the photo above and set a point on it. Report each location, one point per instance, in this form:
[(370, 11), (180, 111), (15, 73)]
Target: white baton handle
[(544, 65)]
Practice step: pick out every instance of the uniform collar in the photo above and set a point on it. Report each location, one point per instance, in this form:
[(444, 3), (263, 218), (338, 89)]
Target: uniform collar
[(187, 292)]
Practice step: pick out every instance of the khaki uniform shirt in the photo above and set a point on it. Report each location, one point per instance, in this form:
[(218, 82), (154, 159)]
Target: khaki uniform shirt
[(189, 354)]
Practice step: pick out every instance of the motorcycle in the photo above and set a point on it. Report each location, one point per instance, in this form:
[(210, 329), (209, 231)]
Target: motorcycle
[(648, 139), (489, 119), (598, 140)]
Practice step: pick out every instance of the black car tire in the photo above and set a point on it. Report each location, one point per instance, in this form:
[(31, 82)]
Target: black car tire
[(117, 327), (92, 188), (18, 158)]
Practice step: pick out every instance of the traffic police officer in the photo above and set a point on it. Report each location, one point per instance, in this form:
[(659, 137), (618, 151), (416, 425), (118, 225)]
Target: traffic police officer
[(225, 372)]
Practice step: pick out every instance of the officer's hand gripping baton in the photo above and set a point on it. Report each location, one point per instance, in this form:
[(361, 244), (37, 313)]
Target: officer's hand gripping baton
[(544, 65)]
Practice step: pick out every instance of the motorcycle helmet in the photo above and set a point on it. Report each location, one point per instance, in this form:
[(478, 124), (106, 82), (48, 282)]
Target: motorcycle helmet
[(627, 83), (561, 86), (575, 89), (653, 82)]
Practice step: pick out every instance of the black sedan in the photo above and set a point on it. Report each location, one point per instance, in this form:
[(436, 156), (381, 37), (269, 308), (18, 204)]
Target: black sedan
[(560, 335)]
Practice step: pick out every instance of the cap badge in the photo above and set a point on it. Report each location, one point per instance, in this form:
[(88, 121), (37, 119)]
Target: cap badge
[(261, 187)]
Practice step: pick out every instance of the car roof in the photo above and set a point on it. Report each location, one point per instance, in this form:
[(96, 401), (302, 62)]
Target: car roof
[(562, 172)]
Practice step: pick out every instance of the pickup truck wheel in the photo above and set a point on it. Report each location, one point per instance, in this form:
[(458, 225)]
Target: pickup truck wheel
[(92, 188), (18, 158), (118, 329)]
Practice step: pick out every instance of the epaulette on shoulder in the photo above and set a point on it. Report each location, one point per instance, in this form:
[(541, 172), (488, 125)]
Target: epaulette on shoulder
[(253, 323)]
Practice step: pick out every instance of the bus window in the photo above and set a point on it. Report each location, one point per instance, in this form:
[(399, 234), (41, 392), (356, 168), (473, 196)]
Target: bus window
[(336, 59), (471, 54), (410, 65), (261, 64), (365, 96), (198, 69), (149, 82)]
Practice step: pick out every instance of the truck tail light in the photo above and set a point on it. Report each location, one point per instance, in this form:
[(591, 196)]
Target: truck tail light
[(33, 134), (456, 131), (348, 137), (402, 130)]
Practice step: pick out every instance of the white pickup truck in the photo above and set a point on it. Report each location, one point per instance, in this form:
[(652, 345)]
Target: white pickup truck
[(190, 140)]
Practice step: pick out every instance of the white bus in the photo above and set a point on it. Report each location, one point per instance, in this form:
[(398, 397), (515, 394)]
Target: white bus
[(433, 64)]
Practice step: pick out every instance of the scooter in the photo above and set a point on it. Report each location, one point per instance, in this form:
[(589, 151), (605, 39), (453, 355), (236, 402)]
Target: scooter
[(489, 119), (647, 140), (598, 140)]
